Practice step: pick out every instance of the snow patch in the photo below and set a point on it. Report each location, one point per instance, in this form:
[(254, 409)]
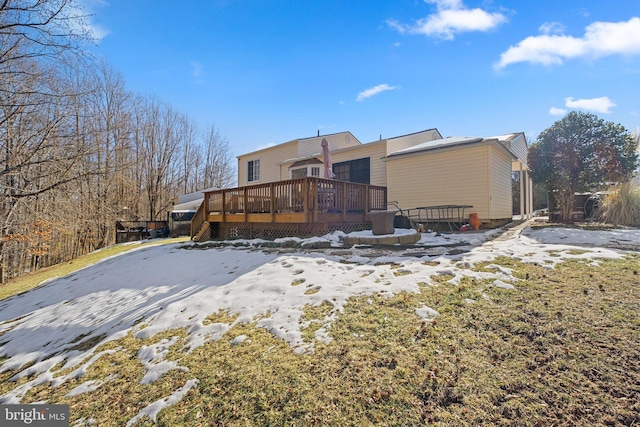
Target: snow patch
[(154, 409)]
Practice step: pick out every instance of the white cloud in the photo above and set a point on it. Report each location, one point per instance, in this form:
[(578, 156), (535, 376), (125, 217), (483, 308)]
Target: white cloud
[(196, 68), (557, 111), (600, 39), (552, 28), (368, 93), (82, 15), (452, 18), (600, 105)]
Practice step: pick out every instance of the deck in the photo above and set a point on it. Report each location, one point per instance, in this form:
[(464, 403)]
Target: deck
[(297, 207)]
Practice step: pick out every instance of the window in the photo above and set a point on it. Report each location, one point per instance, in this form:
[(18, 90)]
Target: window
[(353, 171), (253, 170), (298, 173), (305, 172)]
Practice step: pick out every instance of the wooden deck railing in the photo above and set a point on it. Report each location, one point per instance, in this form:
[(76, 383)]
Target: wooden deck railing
[(306, 200), (200, 217)]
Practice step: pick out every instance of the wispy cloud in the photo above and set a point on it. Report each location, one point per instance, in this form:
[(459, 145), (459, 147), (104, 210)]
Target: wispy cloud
[(553, 47), (557, 111), (552, 28), (600, 105), (84, 9), (452, 17), (196, 68), (368, 93)]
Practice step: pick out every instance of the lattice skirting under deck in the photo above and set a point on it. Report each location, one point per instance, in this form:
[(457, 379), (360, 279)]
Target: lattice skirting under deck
[(270, 231)]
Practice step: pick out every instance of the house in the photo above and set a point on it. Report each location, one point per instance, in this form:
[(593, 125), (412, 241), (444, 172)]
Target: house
[(421, 169), (351, 160)]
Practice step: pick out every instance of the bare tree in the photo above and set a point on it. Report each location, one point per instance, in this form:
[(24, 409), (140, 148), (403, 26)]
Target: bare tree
[(41, 29), (38, 152), (78, 151), (218, 169)]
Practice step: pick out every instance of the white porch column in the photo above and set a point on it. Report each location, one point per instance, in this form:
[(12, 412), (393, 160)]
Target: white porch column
[(530, 196), (522, 194)]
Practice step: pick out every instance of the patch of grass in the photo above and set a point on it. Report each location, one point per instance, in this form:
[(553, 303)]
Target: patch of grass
[(30, 281), (315, 316), (548, 353)]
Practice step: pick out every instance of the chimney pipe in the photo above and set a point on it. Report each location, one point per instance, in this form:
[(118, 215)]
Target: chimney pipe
[(318, 132)]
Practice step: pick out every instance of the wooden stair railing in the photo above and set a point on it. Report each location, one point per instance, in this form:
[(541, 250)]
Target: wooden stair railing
[(199, 220), (203, 230)]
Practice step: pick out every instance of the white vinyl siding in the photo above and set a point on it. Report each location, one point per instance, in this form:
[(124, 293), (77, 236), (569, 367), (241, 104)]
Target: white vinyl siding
[(402, 142), (519, 147), (463, 176), (312, 146), (501, 190), (270, 159)]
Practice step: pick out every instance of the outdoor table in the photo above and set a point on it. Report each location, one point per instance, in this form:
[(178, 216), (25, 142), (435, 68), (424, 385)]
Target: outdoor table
[(449, 215)]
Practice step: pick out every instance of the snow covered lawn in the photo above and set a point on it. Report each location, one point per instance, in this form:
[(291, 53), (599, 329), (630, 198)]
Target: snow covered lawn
[(56, 333)]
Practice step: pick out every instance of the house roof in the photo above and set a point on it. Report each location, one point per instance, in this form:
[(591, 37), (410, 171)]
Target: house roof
[(327, 134), (454, 141), (414, 133), (438, 143), (191, 201), (297, 140), (192, 205), (183, 198), (310, 161)]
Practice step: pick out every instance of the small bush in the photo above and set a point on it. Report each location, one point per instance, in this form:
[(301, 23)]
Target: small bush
[(622, 206)]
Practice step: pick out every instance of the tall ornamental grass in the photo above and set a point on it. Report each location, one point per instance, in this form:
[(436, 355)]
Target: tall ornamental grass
[(622, 206)]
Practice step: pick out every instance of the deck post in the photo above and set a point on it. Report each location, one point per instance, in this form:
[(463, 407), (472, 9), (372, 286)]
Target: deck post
[(306, 199), (314, 195), (245, 200), (344, 200), (367, 200), (272, 201), (224, 206)]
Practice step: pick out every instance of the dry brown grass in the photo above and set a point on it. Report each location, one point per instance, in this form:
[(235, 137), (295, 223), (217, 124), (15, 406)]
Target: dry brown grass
[(562, 349), (622, 206)]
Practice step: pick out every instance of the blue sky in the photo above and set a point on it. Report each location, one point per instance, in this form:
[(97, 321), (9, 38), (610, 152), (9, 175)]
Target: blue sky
[(265, 72)]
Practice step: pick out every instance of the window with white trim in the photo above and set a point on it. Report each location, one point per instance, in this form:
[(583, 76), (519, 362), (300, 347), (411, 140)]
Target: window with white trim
[(253, 169)]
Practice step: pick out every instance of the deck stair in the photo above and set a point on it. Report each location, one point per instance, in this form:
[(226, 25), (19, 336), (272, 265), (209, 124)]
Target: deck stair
[(203, 234)]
